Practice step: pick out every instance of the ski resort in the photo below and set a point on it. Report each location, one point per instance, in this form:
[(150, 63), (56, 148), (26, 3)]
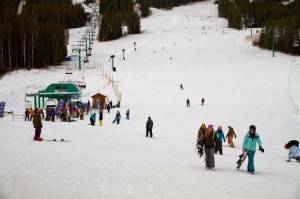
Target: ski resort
[(191, 105)]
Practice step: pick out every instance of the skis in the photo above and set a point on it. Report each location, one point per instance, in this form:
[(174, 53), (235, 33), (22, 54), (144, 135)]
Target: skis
[(241, 159), (58, 140)]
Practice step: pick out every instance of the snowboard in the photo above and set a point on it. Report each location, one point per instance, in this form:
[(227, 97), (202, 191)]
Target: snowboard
[(241, 159), (58, 140)]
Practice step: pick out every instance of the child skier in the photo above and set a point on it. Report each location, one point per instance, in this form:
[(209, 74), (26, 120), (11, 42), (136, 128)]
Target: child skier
[(37, 124), (219, 137), (294, 151), (93, 119), (230, 135), (249, 147)]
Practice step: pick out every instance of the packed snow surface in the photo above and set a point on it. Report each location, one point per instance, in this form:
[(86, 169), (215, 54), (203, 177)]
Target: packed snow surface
[(188, 45)]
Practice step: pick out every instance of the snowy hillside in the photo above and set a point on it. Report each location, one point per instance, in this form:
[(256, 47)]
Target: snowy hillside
[(188, 45)]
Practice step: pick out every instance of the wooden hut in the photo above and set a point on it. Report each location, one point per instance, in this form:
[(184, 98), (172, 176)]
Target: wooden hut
[(99, 100)]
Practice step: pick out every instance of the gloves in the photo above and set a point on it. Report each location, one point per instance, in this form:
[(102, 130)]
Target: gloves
[(261, 149)]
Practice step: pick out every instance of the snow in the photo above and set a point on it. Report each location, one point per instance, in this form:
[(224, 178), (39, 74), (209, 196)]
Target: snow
[(242, 85)]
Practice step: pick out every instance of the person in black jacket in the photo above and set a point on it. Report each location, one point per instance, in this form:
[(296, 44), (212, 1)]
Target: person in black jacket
[(149, 127)]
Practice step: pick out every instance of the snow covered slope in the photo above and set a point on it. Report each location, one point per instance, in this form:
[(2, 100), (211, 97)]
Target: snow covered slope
[(188, 45)]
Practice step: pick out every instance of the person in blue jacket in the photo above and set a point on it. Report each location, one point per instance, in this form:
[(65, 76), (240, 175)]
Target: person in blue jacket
[(93, 119), (249, 147), (219, 138)]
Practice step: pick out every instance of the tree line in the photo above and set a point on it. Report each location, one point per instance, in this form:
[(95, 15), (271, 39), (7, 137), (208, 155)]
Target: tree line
[(117, 14), (280, 23), (36, 37)]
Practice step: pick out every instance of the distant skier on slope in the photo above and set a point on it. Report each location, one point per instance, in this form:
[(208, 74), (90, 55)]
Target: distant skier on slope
[(149, 127), (181, 87), (202, 101), (188, 102), (127, 114), (249, 147), (230, 135), (294, 151)]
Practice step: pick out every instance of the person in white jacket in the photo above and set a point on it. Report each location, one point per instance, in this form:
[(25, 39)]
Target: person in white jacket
[(294, 151)]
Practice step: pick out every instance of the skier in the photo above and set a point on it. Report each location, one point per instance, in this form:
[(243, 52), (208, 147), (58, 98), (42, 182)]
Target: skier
[(181, 86), (209, 147), (127, 114), (101, 117), (219, 138), (52, 115), (202, 101), (188, 102), (249, 147), (200, 139), (108, 108), (93, 119), (230, 135), (149, 127), (294, 151), (117, 118), (27, 115), (37, 124)]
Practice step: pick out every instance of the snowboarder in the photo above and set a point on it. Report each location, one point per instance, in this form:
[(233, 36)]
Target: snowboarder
[(200, 139), (230, 135), (149, 127), (294, 151), (27, 115), (202, 101), (117, 118), (249, 147), (209, 147), (219, 138), (93, 119), (101, 117), (181, 86), (188, 102), (127, 114), (37, 124)]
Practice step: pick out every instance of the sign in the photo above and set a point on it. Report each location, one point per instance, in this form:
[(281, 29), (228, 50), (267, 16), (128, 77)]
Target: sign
[(2, 105)]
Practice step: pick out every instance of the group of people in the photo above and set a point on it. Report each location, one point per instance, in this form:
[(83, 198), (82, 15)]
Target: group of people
[(117, 118), (188, 101), (210, 141)]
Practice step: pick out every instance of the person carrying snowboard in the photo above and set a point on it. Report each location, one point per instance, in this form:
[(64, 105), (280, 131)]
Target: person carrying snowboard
[(294, 151), (249, 147), (230, 135), (200, 139), (37, 124), (93, 119), (219, 138), (149, 127), (117, 117)]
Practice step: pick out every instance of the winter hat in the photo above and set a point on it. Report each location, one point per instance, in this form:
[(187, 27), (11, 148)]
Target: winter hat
[(210, 126), (220, 127), (286, 146), (203, 125), (252, 127)]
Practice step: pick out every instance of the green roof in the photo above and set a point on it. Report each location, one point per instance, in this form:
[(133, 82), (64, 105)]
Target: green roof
[(61, 91)]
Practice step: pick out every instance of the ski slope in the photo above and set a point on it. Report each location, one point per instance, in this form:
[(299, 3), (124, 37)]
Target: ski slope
[(188, 45)]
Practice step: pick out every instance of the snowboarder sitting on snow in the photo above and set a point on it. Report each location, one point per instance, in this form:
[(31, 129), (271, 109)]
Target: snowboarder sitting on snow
[(93, 119), (219, 137), (230, 135), (294, 151), (149, 127), (249, 147), (37, 124)]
